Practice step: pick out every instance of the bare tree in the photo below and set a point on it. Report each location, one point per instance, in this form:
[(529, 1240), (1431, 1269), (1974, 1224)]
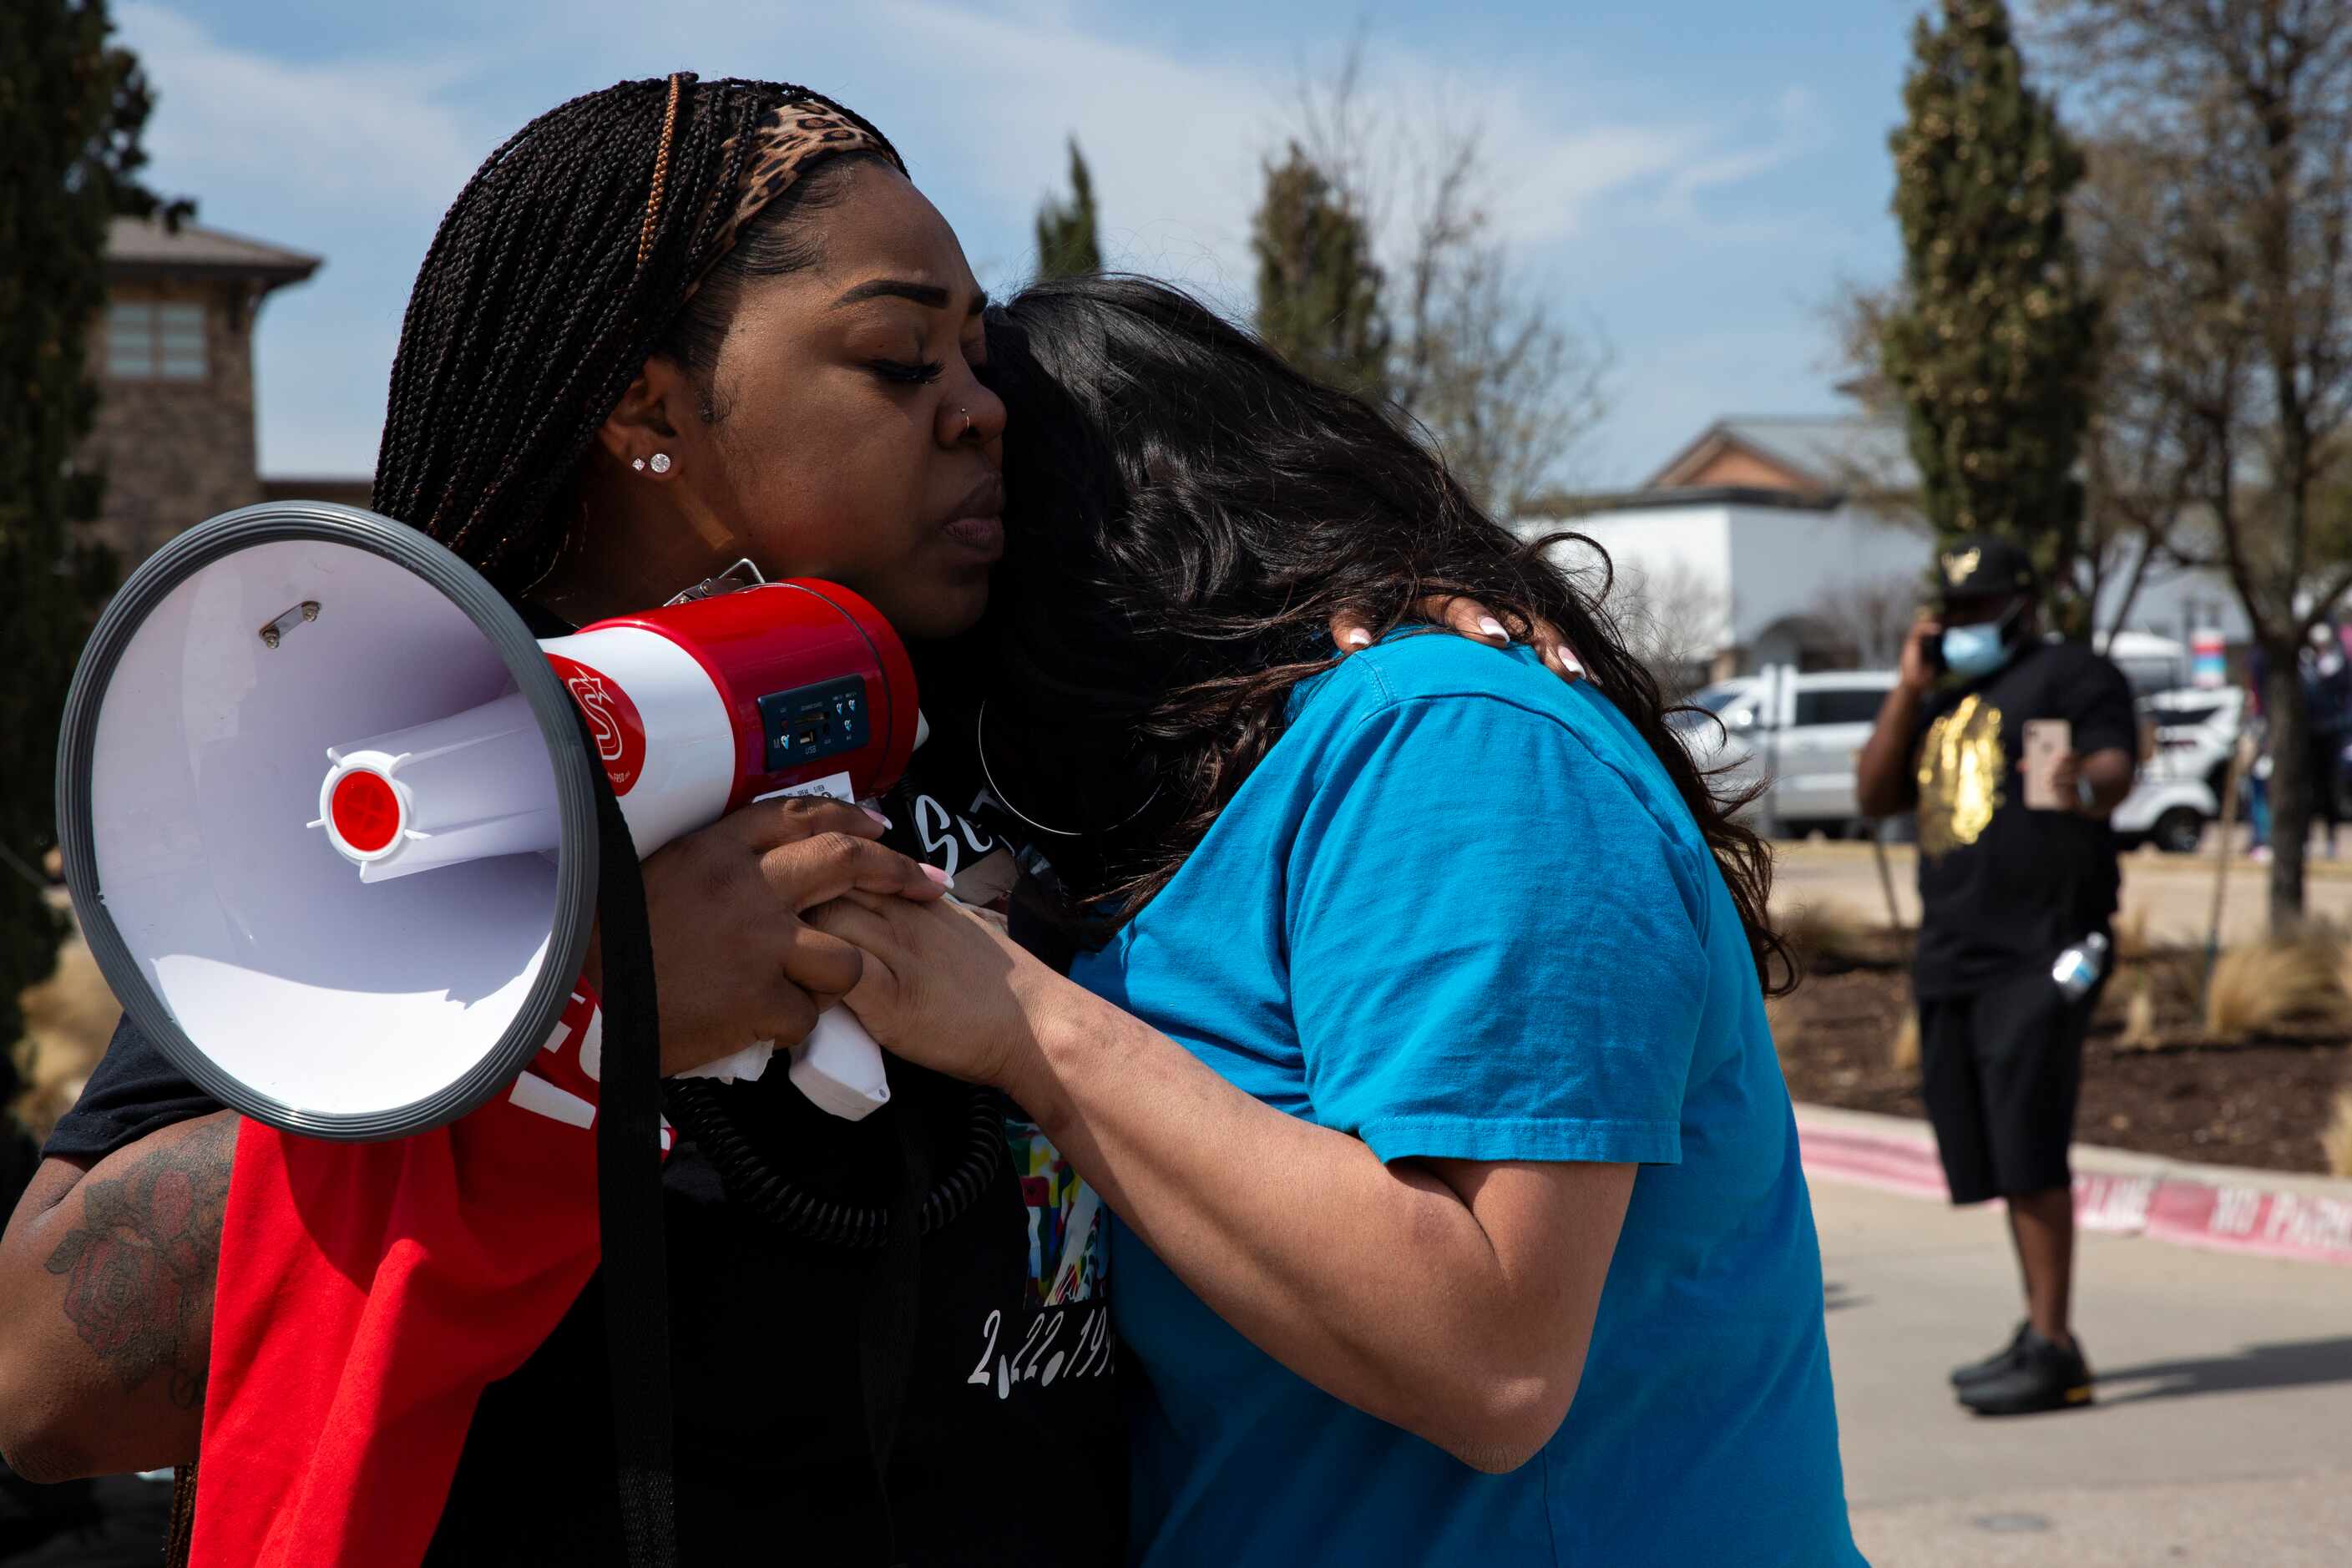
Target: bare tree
[(1869, 617), (1675, 618), (2133, 464), (2141, 454), (2237, 115), (1505, 390)]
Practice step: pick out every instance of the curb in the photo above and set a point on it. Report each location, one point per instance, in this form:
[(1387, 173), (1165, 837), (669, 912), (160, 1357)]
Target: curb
[(2260, 1214)]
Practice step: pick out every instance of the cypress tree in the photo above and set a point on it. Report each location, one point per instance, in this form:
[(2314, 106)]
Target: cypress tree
[(1066, 230), (1318, 292), (1992, 352), (72, 106)]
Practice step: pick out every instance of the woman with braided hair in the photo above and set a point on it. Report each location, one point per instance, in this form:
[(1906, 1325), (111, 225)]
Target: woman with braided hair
[(667, 326)]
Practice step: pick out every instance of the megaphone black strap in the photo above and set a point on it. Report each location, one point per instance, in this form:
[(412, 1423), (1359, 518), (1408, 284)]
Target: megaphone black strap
[(699, 1107), (892, 1317), (629, 1196)]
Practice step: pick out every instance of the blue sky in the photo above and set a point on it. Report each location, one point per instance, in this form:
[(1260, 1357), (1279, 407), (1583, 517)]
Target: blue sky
[(1687, 180)]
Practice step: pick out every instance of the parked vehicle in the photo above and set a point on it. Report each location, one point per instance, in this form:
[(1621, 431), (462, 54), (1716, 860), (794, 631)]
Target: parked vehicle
[(2182, 782), (1801, 732)]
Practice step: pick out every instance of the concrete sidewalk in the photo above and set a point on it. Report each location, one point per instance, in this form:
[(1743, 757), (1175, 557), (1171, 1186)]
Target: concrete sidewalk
[(2223, 1432)]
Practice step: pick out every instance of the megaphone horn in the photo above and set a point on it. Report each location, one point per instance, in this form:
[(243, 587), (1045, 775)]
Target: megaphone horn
[(291, 713)]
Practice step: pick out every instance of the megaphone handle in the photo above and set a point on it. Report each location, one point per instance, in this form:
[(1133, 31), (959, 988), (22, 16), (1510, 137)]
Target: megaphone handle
[(839, 1067)]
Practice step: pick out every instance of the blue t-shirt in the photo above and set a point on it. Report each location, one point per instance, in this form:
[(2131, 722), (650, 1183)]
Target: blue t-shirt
[(1459, 910)]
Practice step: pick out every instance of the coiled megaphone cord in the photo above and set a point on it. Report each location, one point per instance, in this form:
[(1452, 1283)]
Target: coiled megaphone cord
[(699, 1106)]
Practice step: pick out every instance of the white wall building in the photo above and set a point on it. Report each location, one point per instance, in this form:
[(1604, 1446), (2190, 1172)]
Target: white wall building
[(1748, 549), (1742, 578)]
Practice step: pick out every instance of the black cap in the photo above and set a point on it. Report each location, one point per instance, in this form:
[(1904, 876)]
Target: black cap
[(1983, 566)]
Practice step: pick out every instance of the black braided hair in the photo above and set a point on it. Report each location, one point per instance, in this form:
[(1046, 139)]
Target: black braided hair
[(532, 312)]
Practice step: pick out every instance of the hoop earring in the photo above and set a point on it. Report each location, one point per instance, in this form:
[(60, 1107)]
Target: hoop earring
[(980, 750)]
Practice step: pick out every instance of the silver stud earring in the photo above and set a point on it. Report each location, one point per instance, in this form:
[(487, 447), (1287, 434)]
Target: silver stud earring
[(660, 463), (638, 464)]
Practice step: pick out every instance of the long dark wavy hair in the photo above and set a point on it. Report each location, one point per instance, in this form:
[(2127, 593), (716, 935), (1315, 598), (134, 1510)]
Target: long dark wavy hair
[(1189, 512)]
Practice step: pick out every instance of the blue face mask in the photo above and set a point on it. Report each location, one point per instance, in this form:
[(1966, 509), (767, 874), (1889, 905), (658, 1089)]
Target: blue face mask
[(1971, 651)]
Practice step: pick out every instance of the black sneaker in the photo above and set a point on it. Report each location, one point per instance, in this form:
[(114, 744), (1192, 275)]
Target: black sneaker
[(1993, 1366), (2044, 1377)]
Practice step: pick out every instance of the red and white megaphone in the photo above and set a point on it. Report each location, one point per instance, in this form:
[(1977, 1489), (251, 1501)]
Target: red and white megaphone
[(331, 833)]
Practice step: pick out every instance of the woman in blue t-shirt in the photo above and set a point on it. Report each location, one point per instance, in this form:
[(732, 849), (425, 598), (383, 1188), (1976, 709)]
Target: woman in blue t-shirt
[(1418, 1040)]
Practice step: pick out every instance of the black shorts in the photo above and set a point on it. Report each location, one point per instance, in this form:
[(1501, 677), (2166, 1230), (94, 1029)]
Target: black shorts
[(2001, 1069)]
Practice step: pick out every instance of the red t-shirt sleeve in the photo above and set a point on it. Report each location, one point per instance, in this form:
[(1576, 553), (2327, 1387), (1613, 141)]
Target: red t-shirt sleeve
[(368, 1292)]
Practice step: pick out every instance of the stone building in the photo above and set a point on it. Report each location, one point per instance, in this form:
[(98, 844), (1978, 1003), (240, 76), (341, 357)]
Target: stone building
[(173, 359)]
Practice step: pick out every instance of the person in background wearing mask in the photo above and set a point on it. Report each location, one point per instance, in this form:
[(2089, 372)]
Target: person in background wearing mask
[(2013, 750)]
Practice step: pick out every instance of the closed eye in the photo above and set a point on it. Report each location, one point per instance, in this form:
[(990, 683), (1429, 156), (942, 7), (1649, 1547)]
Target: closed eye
[(918, 372)]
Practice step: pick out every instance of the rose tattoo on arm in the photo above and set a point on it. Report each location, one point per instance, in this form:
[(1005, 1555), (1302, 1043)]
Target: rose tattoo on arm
[(140, 1269)]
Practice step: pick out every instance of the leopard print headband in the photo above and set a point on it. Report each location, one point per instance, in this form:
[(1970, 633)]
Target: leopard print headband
[(803, 127)]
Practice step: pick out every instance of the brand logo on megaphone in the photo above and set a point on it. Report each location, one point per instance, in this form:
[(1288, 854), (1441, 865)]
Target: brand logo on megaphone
[(613, 720)]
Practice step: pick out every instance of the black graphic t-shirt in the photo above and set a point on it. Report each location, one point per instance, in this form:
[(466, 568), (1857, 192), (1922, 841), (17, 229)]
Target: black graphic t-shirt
[(1009, 1447), (2001, 887)]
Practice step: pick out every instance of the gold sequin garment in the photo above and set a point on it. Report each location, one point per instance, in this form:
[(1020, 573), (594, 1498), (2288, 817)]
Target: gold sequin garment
[(1961, 770)]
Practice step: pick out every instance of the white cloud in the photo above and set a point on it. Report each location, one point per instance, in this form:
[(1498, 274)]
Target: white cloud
[(380, 133), (1175, 143), (357, 154), (1798, 127), (982, 98)]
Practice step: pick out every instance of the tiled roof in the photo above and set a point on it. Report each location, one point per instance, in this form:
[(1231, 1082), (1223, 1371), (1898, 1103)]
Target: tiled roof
[(1836, 450), (148, 245), (1854, 452)]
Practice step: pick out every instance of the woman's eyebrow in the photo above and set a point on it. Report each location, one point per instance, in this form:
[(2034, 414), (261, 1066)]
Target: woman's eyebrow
[(928, 295)]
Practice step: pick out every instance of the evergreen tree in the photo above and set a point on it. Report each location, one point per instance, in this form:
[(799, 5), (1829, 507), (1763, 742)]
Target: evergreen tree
[(72, 106), (1992, 350), (1318, 292), (1066, 230)]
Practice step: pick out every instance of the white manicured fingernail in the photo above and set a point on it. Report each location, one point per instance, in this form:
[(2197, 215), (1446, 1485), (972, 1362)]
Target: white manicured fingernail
[(941, 878), (1355, 637), (1493, 627), (875, 816)]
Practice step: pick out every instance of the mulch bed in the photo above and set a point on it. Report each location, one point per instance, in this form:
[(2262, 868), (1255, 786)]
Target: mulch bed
[(2260, 1104)]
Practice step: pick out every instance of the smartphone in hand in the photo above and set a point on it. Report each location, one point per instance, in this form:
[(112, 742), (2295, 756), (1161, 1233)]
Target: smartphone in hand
[(2047, 743)]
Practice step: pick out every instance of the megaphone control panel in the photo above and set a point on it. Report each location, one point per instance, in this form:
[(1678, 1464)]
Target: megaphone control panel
[(809, 723)]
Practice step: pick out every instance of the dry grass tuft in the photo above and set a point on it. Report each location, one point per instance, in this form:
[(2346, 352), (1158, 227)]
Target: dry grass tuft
[(2139, 1032), (68, 1020), (2131, 936), (1832, 938), (1903, 1053), (2336, 1137), (2296, 979)]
